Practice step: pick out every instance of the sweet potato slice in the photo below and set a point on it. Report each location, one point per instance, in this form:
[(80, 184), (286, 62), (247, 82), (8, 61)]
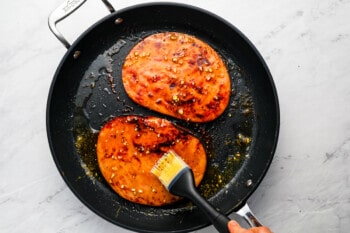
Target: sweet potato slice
[(178, 75), (129, 146)]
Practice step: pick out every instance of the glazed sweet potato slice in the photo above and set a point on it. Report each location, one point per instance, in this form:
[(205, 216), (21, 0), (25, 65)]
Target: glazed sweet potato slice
[(129, 146), (178, 75)]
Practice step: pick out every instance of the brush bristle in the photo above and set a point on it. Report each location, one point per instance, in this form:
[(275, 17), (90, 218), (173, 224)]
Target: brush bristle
[(168, 167)]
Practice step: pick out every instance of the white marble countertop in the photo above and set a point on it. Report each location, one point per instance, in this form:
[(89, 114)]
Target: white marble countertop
[(306, 44)]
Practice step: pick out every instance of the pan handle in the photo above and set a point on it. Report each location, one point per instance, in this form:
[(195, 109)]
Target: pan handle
[(248, 216), (63, 11)]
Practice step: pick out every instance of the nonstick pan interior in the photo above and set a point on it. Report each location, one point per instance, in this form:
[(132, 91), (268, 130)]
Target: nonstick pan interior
[(87, 91)]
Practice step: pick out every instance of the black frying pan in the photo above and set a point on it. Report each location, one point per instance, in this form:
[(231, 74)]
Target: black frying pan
[(87, 91)]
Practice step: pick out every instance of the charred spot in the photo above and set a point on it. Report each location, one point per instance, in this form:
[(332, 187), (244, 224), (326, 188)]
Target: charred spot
[(186, 102), (137, 159), (158, 149), (218, 97), (108, 154), (172, 86), (123, 151), (145, 124), (191, 62), (199, 89), (155, 78), (162, 147), (108, 125), (133, 75), (156, 89), (194, 44), (139, 147), (213, 105), (202, 61)]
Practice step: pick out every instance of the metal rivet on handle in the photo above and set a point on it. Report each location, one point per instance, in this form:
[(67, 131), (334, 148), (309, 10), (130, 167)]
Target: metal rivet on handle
[(249, 183), (76, 54), (118, 21)]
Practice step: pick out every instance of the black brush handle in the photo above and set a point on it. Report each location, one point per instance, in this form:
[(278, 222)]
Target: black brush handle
[(183, 185)]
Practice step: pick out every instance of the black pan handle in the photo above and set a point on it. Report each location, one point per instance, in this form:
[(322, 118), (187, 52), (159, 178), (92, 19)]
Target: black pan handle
[(63, 11), (248, 216)]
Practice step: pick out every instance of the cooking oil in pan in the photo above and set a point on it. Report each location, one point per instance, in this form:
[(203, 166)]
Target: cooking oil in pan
[(218, 177)]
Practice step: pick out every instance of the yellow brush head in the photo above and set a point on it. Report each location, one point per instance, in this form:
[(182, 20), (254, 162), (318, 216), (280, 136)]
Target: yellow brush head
[(168, 167)]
